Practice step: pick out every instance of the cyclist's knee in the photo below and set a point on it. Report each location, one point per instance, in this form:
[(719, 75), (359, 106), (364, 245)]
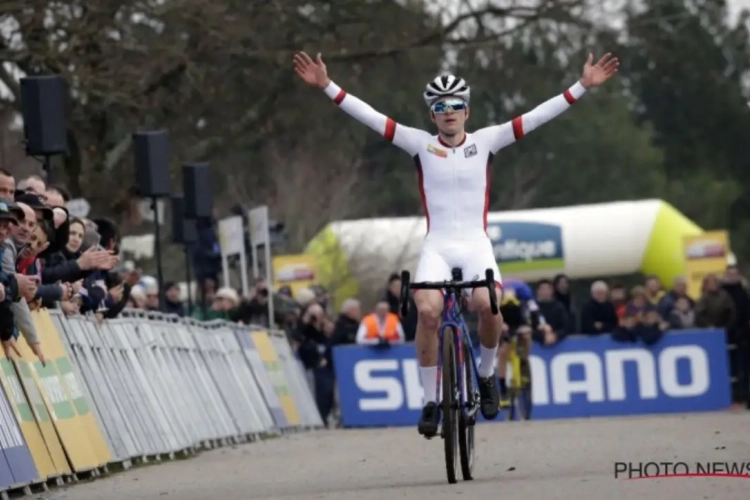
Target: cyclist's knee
[(481, 304), (430, 307)]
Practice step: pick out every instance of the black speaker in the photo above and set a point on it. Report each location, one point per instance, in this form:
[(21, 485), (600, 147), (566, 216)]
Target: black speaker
[(184, 230), (151, 157), (43, 102), (199, 200)]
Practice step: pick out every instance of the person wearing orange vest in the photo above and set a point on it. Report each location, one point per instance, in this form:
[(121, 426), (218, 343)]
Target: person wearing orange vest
[(380, 327)]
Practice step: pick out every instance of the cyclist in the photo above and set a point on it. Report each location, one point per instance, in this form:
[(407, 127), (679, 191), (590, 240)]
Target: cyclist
[(523, 319), (453, 171)]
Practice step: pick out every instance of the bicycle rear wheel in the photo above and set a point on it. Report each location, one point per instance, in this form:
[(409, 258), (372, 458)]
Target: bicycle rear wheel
[(450, 405), (525, 403), (465, 424)]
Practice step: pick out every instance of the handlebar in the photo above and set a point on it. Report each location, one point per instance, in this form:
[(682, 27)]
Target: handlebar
[(455, 284)]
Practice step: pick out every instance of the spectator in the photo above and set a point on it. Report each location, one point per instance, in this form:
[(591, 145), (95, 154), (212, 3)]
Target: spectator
[(562, 295), (654, 293), (309, 334), (641, 321), (648, 327), (638, 306), (324, 374), (255, 310), (347, 324), (225, 303), (7, 185), (739, 334), (381, 327), (715, 308), (553, 311), (392, 295), (33, 184), (682, 314), (619, 298), (151, 287), (20, 235), (669, 299), (172, 301), (321, 296), (57, 196), (137, 298), (9, 217), (736, 289), (598, 315)]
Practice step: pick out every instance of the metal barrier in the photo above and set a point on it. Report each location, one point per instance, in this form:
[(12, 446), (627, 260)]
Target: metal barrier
[(141, 387)]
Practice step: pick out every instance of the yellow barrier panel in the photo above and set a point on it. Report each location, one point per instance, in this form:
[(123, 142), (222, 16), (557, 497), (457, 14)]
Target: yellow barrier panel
[(26, 366), (74, 429), (25, 416), (276, 374)]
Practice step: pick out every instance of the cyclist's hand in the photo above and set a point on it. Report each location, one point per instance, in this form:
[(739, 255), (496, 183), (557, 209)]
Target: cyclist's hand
[(313, 73), (596, 74)]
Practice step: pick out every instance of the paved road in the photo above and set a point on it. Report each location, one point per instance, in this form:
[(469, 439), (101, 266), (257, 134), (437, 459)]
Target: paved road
[(549, 460)]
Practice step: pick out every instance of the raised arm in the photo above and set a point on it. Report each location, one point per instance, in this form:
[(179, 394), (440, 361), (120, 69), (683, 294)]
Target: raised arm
[(315, 74), (500, 136)]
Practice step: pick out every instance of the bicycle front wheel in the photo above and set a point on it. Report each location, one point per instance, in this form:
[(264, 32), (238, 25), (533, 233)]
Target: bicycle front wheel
[(465, 422), (450, 405)]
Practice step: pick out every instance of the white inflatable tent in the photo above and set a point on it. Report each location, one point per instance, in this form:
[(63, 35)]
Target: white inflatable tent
[(584, 241)]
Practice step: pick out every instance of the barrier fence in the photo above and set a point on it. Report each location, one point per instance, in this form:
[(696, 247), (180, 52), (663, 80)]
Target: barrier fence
[(583, 376), (143, 386)]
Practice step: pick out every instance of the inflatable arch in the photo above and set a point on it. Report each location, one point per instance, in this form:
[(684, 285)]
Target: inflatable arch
[(584, 241)]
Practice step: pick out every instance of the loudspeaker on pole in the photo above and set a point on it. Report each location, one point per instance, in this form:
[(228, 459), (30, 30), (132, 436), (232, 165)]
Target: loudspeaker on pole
[(197, 188), (43, 106), (151, 158), (184, 230)]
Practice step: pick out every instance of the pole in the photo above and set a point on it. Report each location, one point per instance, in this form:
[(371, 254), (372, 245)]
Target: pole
[(157, 250), (188, 279), (47, 166), (269, 281)]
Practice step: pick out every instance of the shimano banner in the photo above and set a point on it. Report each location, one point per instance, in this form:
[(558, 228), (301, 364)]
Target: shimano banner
[(581, 377)]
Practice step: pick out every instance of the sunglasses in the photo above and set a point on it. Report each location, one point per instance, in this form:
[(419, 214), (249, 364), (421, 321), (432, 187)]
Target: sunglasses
[(441, 107)]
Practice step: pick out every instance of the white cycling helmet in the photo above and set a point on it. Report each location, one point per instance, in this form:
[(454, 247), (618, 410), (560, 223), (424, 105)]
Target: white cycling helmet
[(444, 86)]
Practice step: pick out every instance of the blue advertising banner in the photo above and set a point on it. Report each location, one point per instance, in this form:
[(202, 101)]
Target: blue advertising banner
[(687, 371)]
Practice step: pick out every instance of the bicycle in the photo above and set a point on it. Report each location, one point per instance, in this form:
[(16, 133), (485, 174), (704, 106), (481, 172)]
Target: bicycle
[(460, 402), (519, 389)]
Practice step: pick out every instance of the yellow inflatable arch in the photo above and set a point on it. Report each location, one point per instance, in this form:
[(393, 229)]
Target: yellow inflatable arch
[(584, 241)]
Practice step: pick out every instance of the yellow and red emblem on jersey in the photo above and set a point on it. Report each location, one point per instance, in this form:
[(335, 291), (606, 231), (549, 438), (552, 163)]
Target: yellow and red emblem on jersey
[(437, 151)]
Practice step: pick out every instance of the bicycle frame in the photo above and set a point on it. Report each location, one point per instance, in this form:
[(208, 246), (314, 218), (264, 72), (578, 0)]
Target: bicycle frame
[(453, 320), (514, 360)]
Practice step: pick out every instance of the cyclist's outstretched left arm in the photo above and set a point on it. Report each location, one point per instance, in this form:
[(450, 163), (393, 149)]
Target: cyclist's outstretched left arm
[(406, 138), (500, 136)]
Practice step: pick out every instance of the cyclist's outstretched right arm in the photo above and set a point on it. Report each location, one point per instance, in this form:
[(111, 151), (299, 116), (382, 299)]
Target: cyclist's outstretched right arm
[(406, 138)]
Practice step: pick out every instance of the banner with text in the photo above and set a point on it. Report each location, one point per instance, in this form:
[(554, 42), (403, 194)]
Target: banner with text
[(686, 371), (705, 253)]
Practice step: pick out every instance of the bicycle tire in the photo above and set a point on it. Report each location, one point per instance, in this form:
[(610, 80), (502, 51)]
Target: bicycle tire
[(465, 427), (525, 393), (450, 421), (512, 409)]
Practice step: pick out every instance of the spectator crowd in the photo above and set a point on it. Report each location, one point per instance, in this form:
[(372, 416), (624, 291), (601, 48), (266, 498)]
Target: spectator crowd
[(53, 260)]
